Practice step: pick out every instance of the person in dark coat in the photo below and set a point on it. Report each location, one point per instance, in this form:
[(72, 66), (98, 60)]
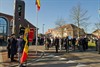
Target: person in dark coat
[(66, 44), (86, 42), (73, 42), (98, 42), (82, 45), (47, 43), (13, 47), (80, 42), (56, 44), (9, 46)]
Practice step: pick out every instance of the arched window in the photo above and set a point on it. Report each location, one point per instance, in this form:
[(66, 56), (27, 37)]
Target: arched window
[(3, 24), (3, 28)]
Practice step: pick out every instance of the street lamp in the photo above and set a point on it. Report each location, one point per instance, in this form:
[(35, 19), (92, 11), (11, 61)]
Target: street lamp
[(99, 12), (43, 29)]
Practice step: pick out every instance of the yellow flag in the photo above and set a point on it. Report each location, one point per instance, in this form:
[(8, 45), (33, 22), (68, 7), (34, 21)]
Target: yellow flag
[(38, 4)]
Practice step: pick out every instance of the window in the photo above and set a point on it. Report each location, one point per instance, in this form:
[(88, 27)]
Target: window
[(19, 10), (2, 25)]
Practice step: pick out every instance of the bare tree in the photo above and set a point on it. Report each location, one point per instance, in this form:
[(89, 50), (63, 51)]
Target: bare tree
[(85, 26), (59, 24), (97, 25), (79, 17)]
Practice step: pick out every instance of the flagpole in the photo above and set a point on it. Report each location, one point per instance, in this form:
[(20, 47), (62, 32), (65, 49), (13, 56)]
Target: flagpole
[(99, 8), (36, 28), (99, 13)]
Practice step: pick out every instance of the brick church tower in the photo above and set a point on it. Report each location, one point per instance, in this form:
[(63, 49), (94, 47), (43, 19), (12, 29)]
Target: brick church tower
[(19, 15)]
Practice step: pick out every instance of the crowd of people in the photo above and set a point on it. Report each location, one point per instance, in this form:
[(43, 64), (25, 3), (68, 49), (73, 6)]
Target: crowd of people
[(80, 43), (15, 46)]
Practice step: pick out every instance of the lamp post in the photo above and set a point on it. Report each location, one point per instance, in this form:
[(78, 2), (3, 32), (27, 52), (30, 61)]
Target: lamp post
[(43, 38), (43, 29), (99, 17)]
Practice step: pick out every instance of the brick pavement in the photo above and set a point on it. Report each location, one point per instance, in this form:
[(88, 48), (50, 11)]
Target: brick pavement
[(5, 61)]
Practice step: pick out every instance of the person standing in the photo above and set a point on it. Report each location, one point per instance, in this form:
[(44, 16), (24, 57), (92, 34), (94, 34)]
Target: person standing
[(81, 43), (96, 39), (66, 44), (73, 42), (98, 42), (51, 40), (13, 47), (0, 41), (60, 46), (20, 46), (86, 42), (57, 44), (9, 46)]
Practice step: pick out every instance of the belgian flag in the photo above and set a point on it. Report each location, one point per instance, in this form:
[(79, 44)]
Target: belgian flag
[(26, 47), (38, 4)]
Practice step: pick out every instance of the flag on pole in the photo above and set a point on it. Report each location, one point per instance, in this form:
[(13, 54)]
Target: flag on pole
[(38, 4), (25, 51)]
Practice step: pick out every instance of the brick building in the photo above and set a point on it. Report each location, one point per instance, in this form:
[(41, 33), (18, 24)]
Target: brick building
[(96, 33), (6, 24), (67, 30)]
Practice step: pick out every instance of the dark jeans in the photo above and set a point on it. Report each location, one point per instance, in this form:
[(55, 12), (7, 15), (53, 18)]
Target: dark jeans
[(9, 53), (57, 47), (81, 48), (12, 56), (74, 46), (86, 45), (98, 48), (67, 48)]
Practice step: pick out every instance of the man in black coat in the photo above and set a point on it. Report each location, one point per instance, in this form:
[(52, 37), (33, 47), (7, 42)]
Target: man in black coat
[(13, 47), (80, 42), (86, 42), (9, 46), (73, 42), (66, 44), (82, 45), (57, 44)]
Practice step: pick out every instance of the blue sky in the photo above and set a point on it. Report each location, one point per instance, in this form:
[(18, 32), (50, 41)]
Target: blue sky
[(51, 10)]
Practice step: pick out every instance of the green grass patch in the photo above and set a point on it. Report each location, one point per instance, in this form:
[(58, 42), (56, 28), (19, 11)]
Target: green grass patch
[(91, 44)]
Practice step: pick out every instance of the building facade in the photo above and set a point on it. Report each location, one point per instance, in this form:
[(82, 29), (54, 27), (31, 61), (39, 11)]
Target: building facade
[(6, 25), (66, 30), (96, 33)]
